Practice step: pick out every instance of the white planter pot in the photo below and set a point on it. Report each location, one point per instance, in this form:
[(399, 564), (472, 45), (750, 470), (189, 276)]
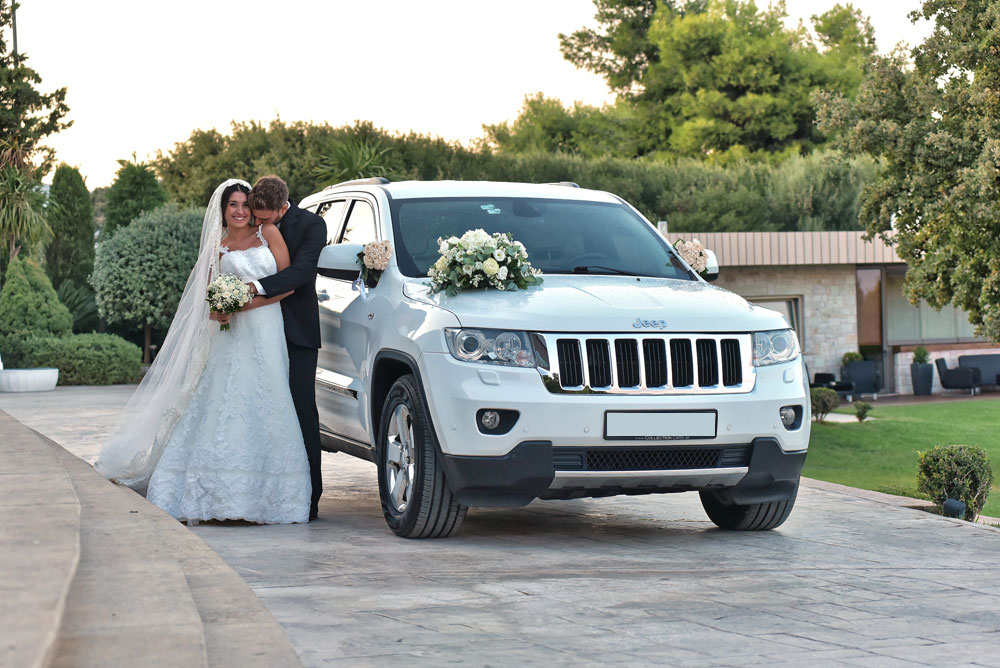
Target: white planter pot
[(28, 380)]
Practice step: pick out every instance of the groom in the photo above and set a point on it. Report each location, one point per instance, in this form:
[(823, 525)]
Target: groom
[(305, 235)]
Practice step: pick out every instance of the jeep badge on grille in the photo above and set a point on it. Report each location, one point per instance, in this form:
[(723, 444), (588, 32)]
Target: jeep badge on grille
[(655, 324)]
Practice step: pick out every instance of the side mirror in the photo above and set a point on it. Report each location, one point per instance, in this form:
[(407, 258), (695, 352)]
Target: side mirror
[(340, 261), (711, 267)]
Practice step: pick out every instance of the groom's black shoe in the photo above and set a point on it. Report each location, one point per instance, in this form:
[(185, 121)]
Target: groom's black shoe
[(313, 514)]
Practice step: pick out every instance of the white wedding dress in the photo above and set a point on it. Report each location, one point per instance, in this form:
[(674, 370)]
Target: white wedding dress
[(236, 451)]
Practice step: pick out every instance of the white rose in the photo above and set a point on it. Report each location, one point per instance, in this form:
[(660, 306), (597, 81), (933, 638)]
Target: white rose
[(490, 267), (502, 274)]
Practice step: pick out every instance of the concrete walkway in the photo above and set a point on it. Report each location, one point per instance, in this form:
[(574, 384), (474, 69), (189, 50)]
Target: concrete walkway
[(853, 578), (94, 575)]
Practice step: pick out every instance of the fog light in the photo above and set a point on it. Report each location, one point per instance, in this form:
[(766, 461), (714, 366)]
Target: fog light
[(787, 414), (490, 419)]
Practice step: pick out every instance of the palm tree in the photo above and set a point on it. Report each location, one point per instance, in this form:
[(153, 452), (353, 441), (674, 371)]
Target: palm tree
[(21, 200)]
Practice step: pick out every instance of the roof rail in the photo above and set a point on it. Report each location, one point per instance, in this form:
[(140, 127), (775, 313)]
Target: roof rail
[(373, 181), (567, 184)]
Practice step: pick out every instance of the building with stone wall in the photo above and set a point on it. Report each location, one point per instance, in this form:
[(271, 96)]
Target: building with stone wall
[(841, 294)]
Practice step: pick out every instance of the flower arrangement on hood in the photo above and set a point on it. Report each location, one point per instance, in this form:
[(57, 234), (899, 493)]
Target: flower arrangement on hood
[(481, 260)]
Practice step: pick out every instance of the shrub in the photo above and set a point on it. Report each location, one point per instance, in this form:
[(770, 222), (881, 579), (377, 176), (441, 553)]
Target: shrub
[(851, 357), (920, 355), (861, 409), (824, 400), (88, 359), (956, 471), (29, 308)]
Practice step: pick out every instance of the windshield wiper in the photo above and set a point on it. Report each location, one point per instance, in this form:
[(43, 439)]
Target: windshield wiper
[(585, 269)]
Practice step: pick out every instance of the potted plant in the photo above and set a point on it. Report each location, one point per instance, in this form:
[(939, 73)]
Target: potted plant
[(921, 372)]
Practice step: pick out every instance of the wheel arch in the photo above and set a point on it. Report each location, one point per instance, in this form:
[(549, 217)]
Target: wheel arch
[(387, 368)]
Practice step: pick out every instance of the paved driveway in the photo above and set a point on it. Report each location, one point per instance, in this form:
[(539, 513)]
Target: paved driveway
[(626, 581)]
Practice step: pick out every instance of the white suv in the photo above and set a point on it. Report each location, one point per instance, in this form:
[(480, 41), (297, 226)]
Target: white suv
[(624, 372)]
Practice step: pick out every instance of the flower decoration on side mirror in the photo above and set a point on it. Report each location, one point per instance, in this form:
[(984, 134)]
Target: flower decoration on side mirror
[(693, 252), (374, 259)]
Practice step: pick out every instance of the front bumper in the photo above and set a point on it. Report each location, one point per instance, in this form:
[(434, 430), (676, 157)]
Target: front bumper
[(456, 391), (536, 469)]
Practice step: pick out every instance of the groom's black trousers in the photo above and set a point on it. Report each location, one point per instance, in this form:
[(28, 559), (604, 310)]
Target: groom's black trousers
[(302, 382)]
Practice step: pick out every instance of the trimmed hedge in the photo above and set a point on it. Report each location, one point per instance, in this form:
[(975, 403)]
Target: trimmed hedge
[(29, 308), (956, 471), (88, 359)]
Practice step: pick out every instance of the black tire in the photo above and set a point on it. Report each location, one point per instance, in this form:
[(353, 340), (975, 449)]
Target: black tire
[(417, 502), (750, 517)]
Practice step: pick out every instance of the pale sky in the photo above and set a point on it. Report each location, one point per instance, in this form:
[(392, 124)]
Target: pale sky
[(141, 75)]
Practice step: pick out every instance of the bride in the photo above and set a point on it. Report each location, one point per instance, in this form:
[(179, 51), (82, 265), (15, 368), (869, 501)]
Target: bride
[(211, 432)]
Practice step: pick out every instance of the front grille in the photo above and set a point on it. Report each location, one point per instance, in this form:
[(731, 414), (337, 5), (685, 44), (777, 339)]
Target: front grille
[(732, 371), (570, 364), (627, 358), (649, 459), (599, 363), (649, 363), (708, 363)]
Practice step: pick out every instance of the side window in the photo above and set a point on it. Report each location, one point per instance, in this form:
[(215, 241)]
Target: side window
[(332, 212), (360, 226)]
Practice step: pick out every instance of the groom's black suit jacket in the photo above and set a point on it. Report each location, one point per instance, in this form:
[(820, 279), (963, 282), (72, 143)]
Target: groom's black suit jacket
[(305, 235)]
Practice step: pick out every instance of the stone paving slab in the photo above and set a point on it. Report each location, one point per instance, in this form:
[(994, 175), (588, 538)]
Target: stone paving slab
[(39, 544), (850, 579)]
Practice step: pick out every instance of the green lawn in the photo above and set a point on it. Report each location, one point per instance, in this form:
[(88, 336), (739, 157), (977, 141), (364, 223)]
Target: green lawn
[(881, 454)]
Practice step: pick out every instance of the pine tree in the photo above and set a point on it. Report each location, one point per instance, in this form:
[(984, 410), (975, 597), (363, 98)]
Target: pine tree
[(70, 254)]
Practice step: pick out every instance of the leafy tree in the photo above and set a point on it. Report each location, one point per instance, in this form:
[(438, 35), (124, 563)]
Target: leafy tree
[(712, 78), (70, 253), (26, 115), (140, 272), (933, 120), (621, 50), (134, 191)]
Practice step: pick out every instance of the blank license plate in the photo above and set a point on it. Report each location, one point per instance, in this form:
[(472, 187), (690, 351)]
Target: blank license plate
[(659, 425)]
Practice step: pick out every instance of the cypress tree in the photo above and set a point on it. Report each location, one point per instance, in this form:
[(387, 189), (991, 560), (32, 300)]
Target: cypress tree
[(70, 254), (135, 190)]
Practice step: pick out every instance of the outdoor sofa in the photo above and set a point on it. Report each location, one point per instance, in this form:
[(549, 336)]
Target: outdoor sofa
[(988, 365)]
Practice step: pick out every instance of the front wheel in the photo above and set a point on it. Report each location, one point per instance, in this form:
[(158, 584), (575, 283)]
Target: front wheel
[(749, 517), (416, 499)]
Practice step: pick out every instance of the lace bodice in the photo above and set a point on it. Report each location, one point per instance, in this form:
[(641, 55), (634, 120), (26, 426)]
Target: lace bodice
[(249, 264)]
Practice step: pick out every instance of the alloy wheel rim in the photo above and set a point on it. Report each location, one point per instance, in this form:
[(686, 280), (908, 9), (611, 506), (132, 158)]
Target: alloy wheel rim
[(400, 462)]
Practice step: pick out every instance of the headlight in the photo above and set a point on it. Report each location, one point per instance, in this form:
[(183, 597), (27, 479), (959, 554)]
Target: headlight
[(774, 347), (490, 346)]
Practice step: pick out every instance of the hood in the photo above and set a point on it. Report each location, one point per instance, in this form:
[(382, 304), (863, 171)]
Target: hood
[(604, 304)]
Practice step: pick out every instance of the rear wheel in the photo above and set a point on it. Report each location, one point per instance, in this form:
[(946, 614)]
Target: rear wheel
[(748, 517), (416, 499)]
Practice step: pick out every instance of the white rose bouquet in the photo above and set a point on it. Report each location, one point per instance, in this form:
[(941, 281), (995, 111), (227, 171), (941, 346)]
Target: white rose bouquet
[(227, 294), (692, 252), (479, 260), (374, 259)]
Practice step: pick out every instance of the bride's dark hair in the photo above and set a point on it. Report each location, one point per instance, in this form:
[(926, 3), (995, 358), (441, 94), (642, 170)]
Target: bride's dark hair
[(225, 197)]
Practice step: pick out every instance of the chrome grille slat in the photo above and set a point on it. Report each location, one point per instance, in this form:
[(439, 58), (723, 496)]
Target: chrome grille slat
[(647, 363)]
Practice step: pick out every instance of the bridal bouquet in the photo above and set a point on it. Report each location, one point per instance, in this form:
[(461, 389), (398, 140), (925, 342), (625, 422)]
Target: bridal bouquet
[(692, 252), (480, 260), (374, 259), (227, 294)]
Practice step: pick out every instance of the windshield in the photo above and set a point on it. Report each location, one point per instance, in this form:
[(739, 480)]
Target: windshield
[(561, 236)]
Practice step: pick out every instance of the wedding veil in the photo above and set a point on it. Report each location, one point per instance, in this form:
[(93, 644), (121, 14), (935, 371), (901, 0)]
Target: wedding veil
[(133, 450)]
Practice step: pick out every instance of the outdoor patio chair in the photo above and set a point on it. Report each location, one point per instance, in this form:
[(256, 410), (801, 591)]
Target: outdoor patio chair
[(842, 387), (864, 375), (959, 378)]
